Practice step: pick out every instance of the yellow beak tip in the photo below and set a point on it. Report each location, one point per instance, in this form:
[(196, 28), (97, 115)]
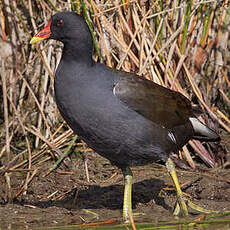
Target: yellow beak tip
[(35, 40)]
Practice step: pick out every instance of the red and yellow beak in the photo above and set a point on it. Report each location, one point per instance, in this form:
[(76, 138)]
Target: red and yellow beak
[(43, 34)]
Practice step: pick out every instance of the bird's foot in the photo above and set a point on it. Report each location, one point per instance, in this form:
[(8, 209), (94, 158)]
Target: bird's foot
[(182, 202), (181, 207), (129, 217)]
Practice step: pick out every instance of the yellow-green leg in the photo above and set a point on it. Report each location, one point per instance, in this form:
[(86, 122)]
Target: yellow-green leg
[(127, 203), (180, 205)]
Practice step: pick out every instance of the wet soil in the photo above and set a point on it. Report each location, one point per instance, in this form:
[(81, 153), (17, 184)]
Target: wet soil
[(65, 197)]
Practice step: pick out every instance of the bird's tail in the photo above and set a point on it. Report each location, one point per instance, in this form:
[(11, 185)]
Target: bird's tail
[(202, 132)]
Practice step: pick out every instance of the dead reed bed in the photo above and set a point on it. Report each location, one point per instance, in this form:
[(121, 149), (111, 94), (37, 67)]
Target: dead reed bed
[(182, 45)]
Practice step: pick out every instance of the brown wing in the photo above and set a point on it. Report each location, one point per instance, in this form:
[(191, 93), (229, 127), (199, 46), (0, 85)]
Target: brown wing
[(156, 103)]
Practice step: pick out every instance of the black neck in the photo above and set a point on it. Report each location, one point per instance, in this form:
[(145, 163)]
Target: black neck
[(79, 52)]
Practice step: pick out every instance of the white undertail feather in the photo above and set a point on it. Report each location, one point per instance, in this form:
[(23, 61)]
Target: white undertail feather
[(202, 131)]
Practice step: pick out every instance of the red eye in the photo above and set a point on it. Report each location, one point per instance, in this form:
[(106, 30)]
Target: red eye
[(60, 23)]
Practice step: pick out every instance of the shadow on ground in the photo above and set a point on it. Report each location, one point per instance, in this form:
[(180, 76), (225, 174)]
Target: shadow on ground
[(109, 197)]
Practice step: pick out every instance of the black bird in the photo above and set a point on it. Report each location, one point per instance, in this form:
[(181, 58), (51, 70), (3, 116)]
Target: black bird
[(124, 118)]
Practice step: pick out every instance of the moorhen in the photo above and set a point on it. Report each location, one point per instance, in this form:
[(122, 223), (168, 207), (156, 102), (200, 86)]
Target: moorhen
[(125, 118)]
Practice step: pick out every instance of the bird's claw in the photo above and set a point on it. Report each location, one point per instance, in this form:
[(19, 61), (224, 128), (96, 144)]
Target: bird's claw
[(181, 207)]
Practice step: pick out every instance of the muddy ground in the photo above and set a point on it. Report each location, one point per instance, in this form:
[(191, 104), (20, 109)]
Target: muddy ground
[(65, 197)]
